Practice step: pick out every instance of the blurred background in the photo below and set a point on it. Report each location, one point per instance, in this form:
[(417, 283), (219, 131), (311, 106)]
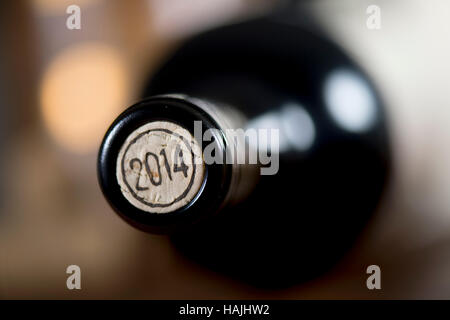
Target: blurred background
[(60, 89)]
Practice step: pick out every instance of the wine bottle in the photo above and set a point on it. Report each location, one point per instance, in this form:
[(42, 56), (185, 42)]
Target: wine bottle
[(321, 150)]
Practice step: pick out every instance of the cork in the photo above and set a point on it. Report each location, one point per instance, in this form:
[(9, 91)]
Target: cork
[(160, 167)]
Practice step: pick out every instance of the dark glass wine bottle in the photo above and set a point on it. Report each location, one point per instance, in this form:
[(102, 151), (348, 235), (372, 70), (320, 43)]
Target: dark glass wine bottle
[(270, 223)]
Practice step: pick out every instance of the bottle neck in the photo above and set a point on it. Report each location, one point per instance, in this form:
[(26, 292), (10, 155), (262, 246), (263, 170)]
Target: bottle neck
[(170, 161)]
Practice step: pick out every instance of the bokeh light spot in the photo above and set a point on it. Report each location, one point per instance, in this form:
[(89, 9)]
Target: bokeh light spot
[(83, 89)]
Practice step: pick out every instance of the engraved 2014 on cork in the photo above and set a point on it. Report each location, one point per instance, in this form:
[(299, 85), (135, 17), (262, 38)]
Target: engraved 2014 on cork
[(160, 167)]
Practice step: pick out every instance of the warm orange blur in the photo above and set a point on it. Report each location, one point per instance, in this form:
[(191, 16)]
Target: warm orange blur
[(82, 91)]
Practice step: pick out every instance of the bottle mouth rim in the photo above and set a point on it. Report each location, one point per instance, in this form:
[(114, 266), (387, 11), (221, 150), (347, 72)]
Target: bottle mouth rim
[(215, 181)]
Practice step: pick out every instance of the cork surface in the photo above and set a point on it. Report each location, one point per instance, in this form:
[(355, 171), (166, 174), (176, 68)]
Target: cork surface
[(160, 167)]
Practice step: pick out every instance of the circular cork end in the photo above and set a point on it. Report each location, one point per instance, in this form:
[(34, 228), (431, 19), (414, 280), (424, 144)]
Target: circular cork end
[(160, 167)]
